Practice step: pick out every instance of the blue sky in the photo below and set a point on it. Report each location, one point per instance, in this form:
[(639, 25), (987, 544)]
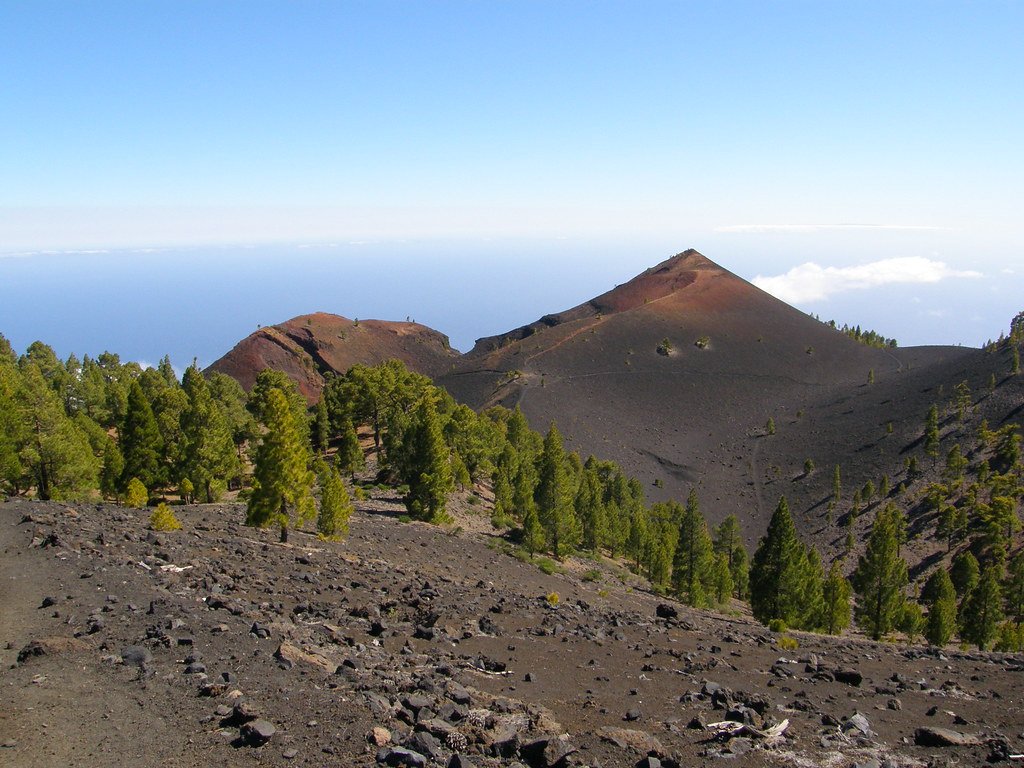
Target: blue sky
[(777, 138)]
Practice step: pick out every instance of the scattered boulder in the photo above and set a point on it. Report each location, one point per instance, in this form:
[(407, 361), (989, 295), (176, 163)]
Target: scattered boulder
[(257, 732), (848, 676), (136, 655), (399, 756), (547, 752), (288, 655), (379, 736), (928, 736), (857, 726), (666, 611)]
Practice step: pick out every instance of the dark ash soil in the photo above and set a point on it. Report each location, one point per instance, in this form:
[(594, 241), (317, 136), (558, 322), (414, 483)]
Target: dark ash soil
[(217, 645)]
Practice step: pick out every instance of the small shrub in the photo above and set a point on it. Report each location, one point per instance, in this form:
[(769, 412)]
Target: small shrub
[(808, 466), (702, 342), (404, 519), (501, 520), (769, 426), (602, 593), (592, 575), (137, 496), (777, 625), (163, 519), (548, 566), (788, 643), (665, 347), (552, 599)]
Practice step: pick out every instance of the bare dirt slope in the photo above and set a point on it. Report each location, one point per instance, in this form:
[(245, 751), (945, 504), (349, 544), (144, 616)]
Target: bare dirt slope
[(308, 346), (217, 645), (693, 416)]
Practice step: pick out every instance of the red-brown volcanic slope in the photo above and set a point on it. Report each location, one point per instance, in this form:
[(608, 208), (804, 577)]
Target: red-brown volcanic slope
[(308, 346), (695, 417)]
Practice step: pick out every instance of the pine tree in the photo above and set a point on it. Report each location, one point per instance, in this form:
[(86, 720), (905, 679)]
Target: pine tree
[(320, 434), (983, 610), (169, 403), (428, 471), (964, 573), (776, 585), (335, 505), (694, 556), (1013, 589), (232, 401), (209, 450), (349, 457), (729, 541), (55, 452), (952, 524), (533, 531), (955, 466), (12, 424), (837, 484), (523, 488), (590, 510), (554, 497), (911, 621), (282, 484), (721, 579), (141, 443), (812, 603), (880, 578), (166, 371), (268, 380), (940, 597), (639, 536), (836, 592), (111, 471)]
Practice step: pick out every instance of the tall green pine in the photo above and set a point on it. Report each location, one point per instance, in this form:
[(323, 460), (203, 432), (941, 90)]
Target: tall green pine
[(335, 504), (983, 610), (282, 484), (836, 593), (554, 497), (694, 556), (141, 443), (880, 577), (776, 572), (209, 453), (940, 598), (428, 470)]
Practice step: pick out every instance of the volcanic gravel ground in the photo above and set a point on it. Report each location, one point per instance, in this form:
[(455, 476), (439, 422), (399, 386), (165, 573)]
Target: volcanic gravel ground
[(407, 644)]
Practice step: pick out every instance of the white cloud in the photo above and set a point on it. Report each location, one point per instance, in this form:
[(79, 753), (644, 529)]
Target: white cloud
[(813, 282), (811, 228)]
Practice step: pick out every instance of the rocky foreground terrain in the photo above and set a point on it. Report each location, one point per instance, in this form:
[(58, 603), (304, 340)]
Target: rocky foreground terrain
[(407, 644)]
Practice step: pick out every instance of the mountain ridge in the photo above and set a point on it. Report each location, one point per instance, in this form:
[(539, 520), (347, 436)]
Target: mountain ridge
[(674, 375)]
